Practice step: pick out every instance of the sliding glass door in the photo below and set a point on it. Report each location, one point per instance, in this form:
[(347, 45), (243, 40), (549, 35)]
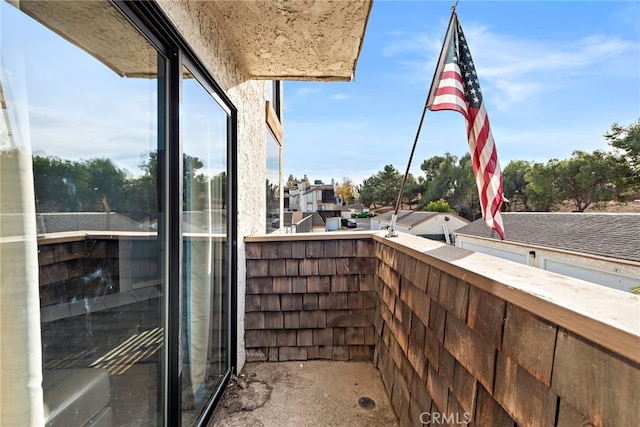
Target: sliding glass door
[(116, 272), (82, 108), (205, 359)]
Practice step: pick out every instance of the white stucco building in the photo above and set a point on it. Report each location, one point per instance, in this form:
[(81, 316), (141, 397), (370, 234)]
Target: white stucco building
[(433, 225), (601, 248)]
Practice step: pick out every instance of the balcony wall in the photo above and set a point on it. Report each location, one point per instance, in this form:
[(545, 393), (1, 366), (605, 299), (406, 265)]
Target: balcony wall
[(310, 300), (456, 333), (75, 266)]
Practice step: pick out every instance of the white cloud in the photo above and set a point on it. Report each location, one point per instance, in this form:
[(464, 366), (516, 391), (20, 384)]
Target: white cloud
[(340, 96), (516, 69), (83, 135)]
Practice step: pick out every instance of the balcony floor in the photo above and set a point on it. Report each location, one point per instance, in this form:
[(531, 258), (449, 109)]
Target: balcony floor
[(322, 393)]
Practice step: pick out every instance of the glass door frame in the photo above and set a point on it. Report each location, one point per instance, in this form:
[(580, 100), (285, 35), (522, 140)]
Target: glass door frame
[(151, 21)]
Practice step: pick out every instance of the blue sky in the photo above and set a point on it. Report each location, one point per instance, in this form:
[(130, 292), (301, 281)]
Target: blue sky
[(554, 74)]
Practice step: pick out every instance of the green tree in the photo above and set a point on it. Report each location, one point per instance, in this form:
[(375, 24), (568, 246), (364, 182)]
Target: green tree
[(55, 185), (584, 179), (346, 191), (292, 181), (588, 178), (142, 191), (451, 179), (437, 177), (389, 183), (381, 189), (624, 178), (464, 198), (105, 184), (439, 205), (273, 199), (627, 140), (413, 191), (367, 192), (219, 190), (514, 185), (75, 186), (542, 189)]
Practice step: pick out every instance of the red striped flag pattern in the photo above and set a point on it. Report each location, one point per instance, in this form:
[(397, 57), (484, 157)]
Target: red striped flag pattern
[(455, 87)]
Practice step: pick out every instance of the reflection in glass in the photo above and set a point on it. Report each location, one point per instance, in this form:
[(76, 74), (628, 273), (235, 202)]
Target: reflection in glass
[(273, 184), (90, 135), (269, 90), (204, 340)]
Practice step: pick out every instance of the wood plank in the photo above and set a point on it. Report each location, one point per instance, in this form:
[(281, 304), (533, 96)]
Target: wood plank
[(474, 353), (596, 382), (272, 120), (526, 400), (464, 387), (568, 416), (530, 341), (454, 296), (489, 412), (437, 389), (486, 315), (598, 313)]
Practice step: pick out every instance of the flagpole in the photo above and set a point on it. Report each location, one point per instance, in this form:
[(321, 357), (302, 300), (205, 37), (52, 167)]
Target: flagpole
[(391, 232)]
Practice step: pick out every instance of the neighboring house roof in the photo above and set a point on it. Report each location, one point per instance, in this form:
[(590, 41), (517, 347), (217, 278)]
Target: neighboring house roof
[(386, 217), (411, 219), (213, 221), (193, 222), (604, 234), (356, 207), (317, 187), (316, 219), (94, 221)]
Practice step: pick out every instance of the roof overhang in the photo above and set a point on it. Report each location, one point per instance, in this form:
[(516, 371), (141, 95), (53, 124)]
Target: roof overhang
[(296, 39), (271, 39)]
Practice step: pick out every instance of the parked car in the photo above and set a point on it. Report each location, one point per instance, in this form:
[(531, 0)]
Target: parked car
[(361, 215), (275, 223), (349, 223)]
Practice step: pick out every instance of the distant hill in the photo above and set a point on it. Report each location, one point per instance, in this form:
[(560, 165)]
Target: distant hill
[(606, 207)]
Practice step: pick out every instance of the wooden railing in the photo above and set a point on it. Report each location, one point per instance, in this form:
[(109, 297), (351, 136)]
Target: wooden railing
[(463, 335)]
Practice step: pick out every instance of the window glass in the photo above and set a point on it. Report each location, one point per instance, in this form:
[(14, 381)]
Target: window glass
[(205, 218), (269, 90), (273, 94), (81, 105), (273, 184)]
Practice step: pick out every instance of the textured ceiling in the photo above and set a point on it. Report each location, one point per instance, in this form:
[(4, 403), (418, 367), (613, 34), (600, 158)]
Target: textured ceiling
[(271, 39), (296, 39), (100, 29)]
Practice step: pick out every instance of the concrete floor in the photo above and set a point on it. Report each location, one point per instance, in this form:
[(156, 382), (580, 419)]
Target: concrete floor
[(317, 393)]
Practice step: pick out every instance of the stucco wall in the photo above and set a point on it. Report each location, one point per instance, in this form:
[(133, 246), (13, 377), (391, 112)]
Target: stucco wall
[(198, 26), (252, 172), (196, 22)]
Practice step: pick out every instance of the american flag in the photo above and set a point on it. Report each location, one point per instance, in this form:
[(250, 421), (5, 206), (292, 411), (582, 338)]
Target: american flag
[(455, 87)]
